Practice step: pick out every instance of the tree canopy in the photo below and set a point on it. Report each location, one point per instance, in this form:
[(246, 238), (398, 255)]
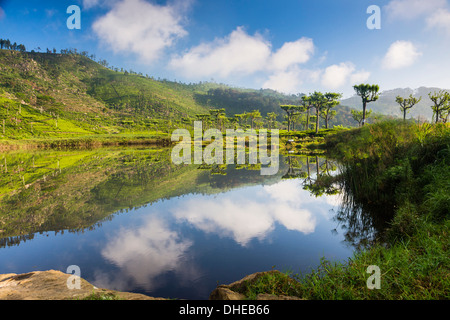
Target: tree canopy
[(368, 93)]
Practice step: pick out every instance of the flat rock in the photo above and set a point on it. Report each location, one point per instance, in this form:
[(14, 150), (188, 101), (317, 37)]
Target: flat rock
[(52, 285)]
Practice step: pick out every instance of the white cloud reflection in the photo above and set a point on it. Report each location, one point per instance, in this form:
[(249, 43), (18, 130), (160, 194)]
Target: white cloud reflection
[(144, 253), (244, 219)]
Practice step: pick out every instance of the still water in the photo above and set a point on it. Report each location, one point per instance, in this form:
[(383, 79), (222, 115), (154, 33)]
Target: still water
[(133, 221)]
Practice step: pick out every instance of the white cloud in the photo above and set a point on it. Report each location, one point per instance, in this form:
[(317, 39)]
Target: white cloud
[(400, 54), (440, 19), (411, 9), (2, 13), (359, 77), (338, 75), (292, 53), (285, 81), (136, 26), (239, 53), (242, 54)]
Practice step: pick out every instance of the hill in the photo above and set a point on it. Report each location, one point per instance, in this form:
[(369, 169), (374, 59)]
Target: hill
[(386, 103), (47, 94), (67, 94)]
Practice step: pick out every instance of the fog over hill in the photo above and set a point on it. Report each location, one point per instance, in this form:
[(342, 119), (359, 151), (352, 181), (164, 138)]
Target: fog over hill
[(386, 103)]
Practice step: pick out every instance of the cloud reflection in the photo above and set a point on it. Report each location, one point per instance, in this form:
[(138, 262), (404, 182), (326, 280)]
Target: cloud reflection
[(243, 218), (144, 253)]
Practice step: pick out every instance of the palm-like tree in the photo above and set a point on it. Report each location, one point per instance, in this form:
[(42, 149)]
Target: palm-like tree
[(368, 93)]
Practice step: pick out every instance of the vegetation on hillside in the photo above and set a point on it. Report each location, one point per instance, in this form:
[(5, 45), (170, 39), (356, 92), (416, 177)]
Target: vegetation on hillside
[(395, 182), (54, 95)]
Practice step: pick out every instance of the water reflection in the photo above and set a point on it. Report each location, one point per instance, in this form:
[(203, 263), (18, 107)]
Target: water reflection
[(141, 223), (248, 214), (143, 253)]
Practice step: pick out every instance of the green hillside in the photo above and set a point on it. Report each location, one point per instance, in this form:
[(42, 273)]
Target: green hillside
[(386, 103), (46, 95), (69, 95)]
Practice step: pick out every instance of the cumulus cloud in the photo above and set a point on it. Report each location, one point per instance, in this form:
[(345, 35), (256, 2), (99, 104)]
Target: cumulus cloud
[(339, 75), (140, 27), (400, 54), (440, 19), (239, 53), (291, 54), (242, 54), (285, 81), (2, 13), (411, 9), (336, 75)]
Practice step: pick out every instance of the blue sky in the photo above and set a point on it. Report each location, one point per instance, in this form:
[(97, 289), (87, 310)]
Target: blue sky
[(291, 46)]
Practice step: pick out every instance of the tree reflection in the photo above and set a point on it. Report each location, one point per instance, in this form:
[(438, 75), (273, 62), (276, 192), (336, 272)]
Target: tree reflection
[(361, 215)]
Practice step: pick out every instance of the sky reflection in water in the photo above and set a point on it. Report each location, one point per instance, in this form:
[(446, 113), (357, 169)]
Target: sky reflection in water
[(183, 247)]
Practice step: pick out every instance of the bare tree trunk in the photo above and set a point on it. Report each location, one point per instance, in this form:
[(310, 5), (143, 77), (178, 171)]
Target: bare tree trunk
[(364, 113)]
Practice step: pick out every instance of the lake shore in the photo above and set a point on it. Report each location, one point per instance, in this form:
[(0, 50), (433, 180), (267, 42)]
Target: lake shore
[(56, 285), (90, 141)]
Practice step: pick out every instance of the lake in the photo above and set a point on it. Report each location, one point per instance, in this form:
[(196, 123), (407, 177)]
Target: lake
[(133, 221)]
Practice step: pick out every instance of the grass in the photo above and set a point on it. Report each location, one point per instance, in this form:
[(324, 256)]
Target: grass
[(398, 160), (102, 296)]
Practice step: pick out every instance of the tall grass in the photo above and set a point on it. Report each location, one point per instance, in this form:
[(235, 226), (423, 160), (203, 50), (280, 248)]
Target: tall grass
[(403, 169)]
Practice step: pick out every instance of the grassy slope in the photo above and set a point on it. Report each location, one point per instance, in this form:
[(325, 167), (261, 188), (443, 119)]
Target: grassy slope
[(53, 95), (410, 166)]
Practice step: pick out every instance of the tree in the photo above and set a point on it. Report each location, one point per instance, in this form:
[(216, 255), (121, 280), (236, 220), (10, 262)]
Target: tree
[(255, 114), (222, 120), (332, 101), (441, 106), (368, 93), (234, 121), (205, 119), (358, 116), (271, 118), (290, 110), (318, 101), (215, 114), (296, 118), (239, 118), (407, 103), (306, 103)]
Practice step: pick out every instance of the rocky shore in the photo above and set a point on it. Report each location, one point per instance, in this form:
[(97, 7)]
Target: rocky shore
[(52, 285)]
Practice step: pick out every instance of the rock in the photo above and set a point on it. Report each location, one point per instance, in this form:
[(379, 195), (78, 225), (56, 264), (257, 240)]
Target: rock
[(231, 291), (52, 285), (223, 293)]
